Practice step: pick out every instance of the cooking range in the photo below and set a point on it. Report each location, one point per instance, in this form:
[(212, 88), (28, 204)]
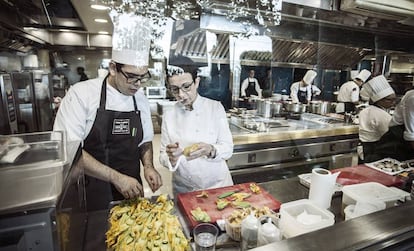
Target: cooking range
[(261, 162)]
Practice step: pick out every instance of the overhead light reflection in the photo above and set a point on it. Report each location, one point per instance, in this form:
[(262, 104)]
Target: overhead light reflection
[(99, 7), (100, 20)]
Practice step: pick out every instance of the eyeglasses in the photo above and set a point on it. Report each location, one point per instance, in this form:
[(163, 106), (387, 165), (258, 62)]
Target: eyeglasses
[(186, 87), (133, 78)]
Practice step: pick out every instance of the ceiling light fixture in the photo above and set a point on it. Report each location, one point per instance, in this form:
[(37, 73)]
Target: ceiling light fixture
[(103, 32), (99, 7), (100, 20)]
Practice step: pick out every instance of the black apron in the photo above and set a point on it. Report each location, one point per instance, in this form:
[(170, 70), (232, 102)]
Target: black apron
[(251, 89), (391, 145), (303, 96), (349, 107), (113, 140)]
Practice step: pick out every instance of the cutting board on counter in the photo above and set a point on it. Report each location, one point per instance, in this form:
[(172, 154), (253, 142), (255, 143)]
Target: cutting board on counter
[(361, 174), (189, 201)]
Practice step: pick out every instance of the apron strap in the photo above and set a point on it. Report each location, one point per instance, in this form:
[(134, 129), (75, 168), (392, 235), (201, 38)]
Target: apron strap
[(103, 97)]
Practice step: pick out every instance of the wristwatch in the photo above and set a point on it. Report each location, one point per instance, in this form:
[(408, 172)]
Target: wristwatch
[(212, 154)]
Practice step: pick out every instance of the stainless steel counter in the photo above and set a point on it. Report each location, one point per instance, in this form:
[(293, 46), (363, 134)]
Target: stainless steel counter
[(290, 129)]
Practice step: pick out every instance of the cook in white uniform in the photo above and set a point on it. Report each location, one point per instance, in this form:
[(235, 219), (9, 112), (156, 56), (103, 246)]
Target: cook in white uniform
[(301, 92), (194, 119), (348, 94), (374, 120), (401, 131), (112, 119)]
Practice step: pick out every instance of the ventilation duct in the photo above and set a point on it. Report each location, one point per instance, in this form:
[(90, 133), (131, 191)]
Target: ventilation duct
[(386, 9)]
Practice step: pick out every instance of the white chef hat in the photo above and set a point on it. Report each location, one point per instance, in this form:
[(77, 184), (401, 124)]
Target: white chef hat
[(131, 39), (354, 73), (309, 76), (363, 75), (379, 88)]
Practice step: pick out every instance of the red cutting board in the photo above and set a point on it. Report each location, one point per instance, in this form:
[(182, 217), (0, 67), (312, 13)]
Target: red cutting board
[(361, 174), (189, 201)]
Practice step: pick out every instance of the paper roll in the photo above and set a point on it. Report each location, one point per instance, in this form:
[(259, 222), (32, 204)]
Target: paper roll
[(322, 187)]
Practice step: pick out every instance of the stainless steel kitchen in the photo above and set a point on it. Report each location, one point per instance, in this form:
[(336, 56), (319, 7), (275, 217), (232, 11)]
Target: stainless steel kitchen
[(310, 121)]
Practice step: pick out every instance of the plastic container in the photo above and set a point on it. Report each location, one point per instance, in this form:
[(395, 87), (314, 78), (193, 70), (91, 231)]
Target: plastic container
[(249, 228), (363, 208), (289, 224), (370, 191), (268, 231)]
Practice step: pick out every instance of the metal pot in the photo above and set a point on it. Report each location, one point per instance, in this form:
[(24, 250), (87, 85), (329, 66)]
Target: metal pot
[(324, 108), (276, 108), (314, 106), (267, 109), (295, 107)]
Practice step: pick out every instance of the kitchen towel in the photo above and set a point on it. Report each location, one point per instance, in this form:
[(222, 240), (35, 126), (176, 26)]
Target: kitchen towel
[(322, 187)]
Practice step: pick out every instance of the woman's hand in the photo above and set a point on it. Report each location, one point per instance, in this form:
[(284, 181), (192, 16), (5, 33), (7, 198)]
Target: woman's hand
[(204, 149), (173, 151)]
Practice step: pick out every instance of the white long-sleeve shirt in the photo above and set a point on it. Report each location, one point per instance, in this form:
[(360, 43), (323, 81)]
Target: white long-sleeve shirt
[(404, 115), (373, 123), (207, 123), (78, 109)]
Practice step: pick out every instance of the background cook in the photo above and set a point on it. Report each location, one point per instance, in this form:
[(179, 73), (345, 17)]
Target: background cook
[(348, 94), (301, 91), (374, 120), (194, 120), (112, 119)]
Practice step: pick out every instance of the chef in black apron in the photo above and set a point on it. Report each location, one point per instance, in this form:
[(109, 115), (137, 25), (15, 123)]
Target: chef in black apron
[(113, 140), (301, 91), (250, 86), (112, 118)]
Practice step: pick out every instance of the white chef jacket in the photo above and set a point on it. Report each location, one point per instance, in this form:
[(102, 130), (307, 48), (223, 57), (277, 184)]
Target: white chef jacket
[(294, 89), (349, 92), (404, 115), (207, 123), (78, 109), (373, 123)]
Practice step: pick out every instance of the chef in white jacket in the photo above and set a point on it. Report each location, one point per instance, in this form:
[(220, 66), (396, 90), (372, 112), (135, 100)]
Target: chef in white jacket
[(348, 94), (198, 121), (301, 91), (374, 120)]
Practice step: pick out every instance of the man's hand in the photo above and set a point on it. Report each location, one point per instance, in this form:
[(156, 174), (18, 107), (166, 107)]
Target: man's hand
[(129, 187), (173, 151), (153, 178)]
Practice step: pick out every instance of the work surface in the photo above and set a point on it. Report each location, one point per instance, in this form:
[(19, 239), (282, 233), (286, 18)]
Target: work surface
[(357, 232)]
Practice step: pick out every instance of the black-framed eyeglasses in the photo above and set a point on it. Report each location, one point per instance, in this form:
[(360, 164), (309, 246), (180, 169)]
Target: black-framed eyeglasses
[(186, 87), (134, 78)]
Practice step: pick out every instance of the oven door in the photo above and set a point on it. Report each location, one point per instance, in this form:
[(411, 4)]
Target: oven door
[(291, 169)]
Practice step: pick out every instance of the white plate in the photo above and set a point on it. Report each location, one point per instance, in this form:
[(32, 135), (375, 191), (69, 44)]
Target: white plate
[(383, 166)]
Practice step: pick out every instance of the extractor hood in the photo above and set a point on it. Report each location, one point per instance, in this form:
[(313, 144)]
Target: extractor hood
[(385, 9)]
